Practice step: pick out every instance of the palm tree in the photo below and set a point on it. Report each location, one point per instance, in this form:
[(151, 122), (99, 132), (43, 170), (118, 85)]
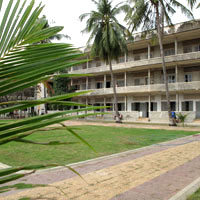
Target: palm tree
[(153, 15), (25, 62), (192, 3), (107, 35)]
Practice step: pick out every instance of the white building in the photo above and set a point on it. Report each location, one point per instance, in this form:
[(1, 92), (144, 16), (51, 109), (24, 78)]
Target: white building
[(140, 88)]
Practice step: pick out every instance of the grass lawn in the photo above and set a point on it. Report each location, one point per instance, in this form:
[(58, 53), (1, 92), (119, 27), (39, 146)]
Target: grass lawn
[(105, 140), (195, 196)]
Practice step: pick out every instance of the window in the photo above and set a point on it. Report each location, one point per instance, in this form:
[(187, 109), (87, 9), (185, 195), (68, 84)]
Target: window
[(153, 106), (76, 87), (164, 106), (120, 83), (90, 64), (121, 106), (137, 81), (84, 65), (99, 85), (188, 77), (146, 81), (187, 106), (121, 60), (108, 84), (197, 47), (75, 68), (169, 52), (171, 79), (187, 49), (109, 109), (83, 86), (137, 57), (98, 63), (135, 106)]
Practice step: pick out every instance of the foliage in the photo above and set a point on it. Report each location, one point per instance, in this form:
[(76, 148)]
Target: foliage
[(107, 36), (106, 33), (182, 117), (25, 62)]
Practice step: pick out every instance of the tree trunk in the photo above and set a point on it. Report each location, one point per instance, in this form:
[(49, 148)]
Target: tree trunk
[(117, 118), (160, 37)]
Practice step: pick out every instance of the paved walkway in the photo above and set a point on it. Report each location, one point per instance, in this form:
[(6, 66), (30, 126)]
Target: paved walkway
[(154, 173)]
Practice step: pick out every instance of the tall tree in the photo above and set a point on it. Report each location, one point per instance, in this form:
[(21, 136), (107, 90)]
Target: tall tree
[(192, 3), (107, 35), (151, 16)]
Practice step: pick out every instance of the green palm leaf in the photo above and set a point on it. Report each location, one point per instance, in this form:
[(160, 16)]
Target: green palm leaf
[(25, 62)]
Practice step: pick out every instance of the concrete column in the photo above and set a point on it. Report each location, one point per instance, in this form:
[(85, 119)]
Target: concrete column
[(149, 51), (149, 77), (176, 46), (125, 79), (180, 96), (177, 102), (176, 73), (125, 102), (159, 103), (149, 104), (87, 83), (71, 82), (87, 62), (125, 57), (149, 80), (194, 106), (104, 103), (86, 102), (104, 81)]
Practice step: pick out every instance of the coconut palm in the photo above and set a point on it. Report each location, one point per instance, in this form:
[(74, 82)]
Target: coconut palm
[(152, 16), (192, 3), (107, 35)]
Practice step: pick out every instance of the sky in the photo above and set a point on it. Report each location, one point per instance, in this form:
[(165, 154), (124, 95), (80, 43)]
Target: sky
[(66, 13)]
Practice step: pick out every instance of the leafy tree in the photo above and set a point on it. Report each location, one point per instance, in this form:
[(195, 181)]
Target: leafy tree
[(25, 62), (107, 36), (151, 16)]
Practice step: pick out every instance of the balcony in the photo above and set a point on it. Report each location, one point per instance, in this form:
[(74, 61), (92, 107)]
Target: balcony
[(173, 87), (146, 63)]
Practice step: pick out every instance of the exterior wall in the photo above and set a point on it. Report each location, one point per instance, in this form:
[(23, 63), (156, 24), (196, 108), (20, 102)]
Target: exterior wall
[(140, 75)]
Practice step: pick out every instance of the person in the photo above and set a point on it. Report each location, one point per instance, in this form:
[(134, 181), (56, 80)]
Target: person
[(120, 116), (174, 117)]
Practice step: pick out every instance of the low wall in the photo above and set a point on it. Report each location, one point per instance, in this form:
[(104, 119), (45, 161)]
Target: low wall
[(157, 117), (163, 116)]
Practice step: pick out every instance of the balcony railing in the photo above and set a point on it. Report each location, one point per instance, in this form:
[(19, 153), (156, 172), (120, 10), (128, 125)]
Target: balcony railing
[(179, 86), (145, 62)]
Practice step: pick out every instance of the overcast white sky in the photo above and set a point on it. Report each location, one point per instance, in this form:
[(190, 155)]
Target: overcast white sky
[(66, 13)]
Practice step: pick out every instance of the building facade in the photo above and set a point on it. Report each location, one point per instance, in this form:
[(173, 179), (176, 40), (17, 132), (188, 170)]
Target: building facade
[(139, 77)]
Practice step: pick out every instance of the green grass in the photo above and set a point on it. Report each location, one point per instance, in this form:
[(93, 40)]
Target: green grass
[(105, 140), (195, 196)]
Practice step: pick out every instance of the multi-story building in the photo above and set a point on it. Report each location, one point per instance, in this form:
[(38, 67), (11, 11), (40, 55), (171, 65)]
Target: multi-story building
[(139, 75)]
